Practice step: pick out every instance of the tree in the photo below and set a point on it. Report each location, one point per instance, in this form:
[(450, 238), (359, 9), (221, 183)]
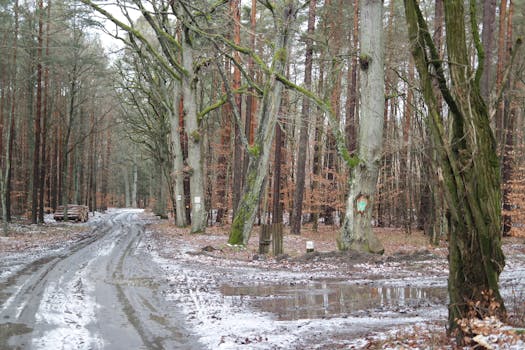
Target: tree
[(176, 56), (468, 163), (178, 161), (191, 123), (357, 231), (259, 153), (38, 117), (303, 129), (5, 173)]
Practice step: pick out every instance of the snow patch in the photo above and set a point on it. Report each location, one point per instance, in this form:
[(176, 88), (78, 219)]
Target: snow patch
[(221, 322), (68, 309)]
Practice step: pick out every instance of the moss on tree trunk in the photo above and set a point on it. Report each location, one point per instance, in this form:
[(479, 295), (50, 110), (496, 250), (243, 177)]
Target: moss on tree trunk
[(468, 165), (260, 153)]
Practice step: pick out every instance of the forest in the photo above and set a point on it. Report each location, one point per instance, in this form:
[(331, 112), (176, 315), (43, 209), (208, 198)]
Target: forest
[(235, 114)]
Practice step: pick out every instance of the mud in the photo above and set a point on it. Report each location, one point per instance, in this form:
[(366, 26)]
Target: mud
[(101, 292)]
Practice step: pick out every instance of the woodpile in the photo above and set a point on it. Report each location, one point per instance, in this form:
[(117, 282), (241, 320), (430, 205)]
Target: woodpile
[(75, 212)]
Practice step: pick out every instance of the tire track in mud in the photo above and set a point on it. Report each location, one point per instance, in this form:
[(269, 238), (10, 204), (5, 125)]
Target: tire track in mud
[(20, 294), (104, 292)]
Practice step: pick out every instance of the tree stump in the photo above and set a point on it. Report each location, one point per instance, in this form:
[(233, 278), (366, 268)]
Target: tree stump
[(277, 238), (265, 238)]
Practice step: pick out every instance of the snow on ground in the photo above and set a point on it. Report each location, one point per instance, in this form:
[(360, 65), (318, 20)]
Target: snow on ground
[(68, 309), (29, 243), (228, 322)]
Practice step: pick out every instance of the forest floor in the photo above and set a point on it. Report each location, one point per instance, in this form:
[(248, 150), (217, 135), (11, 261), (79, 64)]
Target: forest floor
[(234, 298), (329, 299)]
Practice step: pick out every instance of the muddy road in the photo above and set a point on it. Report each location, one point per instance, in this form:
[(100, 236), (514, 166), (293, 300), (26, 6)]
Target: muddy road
[(102, 292)]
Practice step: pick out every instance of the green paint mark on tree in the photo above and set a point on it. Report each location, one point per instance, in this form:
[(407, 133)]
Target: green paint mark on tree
[(361, 204)]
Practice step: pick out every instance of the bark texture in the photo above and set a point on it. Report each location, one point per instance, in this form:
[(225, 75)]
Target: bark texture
[(191, 124), (357, 229), (178, 161), (468, 166)]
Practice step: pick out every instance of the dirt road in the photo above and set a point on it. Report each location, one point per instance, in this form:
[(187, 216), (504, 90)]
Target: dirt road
[(103, 292)]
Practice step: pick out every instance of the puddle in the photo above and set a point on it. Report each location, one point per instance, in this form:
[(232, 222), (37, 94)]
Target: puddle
[(333, 299)]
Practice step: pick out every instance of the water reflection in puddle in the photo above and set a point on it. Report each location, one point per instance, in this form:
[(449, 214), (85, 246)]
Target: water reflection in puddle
[(332, 299)]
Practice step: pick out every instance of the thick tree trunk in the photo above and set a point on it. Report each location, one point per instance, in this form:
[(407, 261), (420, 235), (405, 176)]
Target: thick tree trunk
[(469, 168), (191, 124), (260, 152), (357, 229), (297, 211)]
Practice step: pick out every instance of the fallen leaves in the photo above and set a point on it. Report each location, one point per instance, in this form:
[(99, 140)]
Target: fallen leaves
[(491, 334)]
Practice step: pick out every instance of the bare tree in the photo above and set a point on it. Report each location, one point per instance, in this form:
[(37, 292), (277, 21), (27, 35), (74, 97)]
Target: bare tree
[(357, 230), (468, 164)]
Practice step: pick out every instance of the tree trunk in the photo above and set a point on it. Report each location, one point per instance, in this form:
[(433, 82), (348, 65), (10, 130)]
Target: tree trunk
[(297, 211), (236, 83), (508, 147), (277, 213), (38, 118), (406, 148), (93, 178), (468, 167), (487, 36), (507, 168), (351, 99), (198, 212), (251, 100), (357, 230), (317, 160), (105, 173), (260, 152), (5, 173), (127, 194), (178, 161), (134, 187), (45, 117), (500, 68)]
